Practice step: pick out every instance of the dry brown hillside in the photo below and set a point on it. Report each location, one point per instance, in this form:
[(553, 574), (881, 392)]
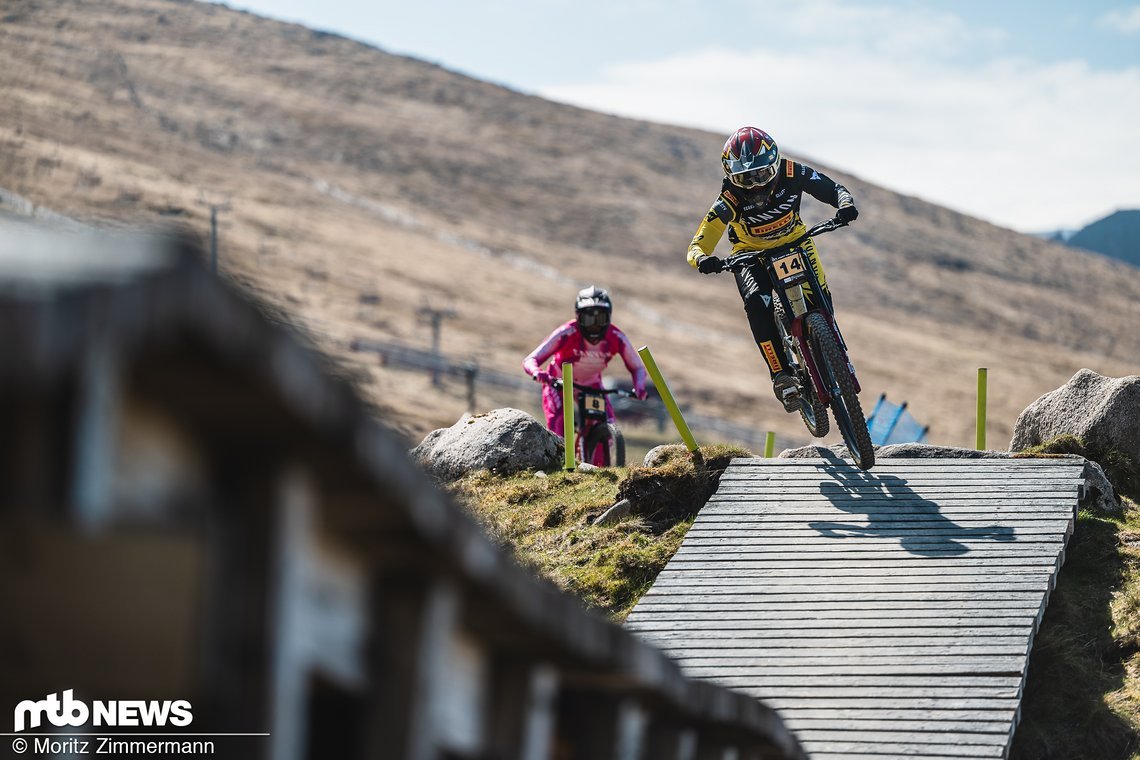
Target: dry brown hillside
[(364, 185)]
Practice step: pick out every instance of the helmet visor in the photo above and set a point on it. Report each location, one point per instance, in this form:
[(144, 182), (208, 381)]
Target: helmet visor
[(594, 318), (754, 178)]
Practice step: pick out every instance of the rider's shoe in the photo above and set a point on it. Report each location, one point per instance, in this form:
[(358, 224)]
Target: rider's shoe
[(788, 393)]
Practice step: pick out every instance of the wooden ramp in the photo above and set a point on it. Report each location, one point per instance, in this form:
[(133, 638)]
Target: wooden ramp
[(884, 614)]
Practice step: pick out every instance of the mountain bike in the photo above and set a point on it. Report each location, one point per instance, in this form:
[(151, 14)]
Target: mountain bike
[(823, 371), (596, 439)]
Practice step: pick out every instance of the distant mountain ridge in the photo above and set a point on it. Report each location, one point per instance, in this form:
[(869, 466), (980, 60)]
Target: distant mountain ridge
[(1117, 236)]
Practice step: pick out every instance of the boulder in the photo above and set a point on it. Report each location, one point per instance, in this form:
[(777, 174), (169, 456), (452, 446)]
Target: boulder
[(504, 441), (1101, 411), (667, 452)]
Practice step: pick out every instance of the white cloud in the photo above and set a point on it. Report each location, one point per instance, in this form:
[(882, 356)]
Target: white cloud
[(1123, 20), (1014, 142)]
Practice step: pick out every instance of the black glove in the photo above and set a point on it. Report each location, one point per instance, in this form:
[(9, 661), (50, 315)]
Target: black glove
[(710, 264), (848, 213)]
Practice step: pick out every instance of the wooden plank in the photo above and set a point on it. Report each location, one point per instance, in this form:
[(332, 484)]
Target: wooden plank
[(962, 725), (735, 660), (847, 687), (1009, 644), (839, 714), (771, 563), (929, 648), (825, 617), (845, 530), (658, 603), (702, 571), (840, 667), (871, 589), (899, 749), (967, 628), (882, 700), (894, 468), (962, 734)]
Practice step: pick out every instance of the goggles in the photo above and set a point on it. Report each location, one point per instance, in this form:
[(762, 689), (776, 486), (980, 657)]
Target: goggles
[(593, 318), (754, 177)]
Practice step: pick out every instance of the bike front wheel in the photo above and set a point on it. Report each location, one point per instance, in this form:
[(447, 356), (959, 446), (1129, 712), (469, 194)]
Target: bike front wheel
[(844, 399), (607, 439)]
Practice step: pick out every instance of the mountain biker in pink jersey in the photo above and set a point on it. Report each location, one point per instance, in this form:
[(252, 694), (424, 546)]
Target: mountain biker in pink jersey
[(589, 342)]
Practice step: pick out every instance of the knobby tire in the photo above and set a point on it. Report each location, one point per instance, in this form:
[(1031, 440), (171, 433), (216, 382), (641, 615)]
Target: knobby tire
[(812, 411), (845, 406), (610, 438)]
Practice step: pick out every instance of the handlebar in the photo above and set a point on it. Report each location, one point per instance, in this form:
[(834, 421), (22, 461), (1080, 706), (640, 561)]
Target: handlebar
[(740, 260), (557, 383)]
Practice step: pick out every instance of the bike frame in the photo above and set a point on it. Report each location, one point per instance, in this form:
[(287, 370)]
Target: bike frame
[(585, 419), (767, 256)]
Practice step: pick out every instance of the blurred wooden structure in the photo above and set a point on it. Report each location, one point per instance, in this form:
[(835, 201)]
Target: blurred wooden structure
[(194, 506)]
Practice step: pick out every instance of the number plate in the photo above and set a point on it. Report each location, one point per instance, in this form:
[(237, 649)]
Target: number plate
[(595, 403), (790, 268)]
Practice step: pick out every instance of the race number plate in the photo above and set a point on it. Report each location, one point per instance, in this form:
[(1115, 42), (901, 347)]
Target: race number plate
[(595, 403), (790, 268)]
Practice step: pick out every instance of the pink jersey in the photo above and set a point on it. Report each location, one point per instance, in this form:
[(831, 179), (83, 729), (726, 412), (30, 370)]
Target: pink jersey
[(566, 344)]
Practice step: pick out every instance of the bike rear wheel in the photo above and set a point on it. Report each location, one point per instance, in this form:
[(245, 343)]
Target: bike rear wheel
[(844, 399), (611, 441), (813, 412)]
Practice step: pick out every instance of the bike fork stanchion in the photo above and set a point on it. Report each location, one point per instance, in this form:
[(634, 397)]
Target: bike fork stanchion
[(769, 445), (670, 403), (568, 413), (981, 437)]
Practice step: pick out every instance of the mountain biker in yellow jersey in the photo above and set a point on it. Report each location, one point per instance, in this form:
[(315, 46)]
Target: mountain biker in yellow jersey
[(759, 205)]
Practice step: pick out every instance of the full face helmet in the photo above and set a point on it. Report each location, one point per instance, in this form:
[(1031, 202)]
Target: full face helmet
[(750, 158), (593, 307)]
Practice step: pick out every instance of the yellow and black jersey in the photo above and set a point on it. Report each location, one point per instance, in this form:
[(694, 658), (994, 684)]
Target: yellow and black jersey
[(757, 220)]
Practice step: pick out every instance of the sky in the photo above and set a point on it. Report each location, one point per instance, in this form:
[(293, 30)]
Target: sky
[(1025, 113)]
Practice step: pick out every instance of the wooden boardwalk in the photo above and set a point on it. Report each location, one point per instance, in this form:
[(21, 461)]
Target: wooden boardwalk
[(883, 614)]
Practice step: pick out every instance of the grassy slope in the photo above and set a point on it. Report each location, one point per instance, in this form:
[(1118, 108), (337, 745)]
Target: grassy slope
[(548, 522), (1082, 696)]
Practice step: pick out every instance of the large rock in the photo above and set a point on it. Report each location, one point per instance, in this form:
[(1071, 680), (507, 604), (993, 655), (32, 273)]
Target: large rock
[(1104, 412), (505, 441)]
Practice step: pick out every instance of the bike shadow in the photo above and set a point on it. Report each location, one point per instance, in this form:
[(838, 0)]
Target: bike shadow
[(859, 492)]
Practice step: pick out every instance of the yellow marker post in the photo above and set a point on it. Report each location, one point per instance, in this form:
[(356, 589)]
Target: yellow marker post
[(769, 445), (981, 437), (568, 413), (667, 397)]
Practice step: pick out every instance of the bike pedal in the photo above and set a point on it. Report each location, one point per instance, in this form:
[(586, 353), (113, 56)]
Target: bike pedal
[(791, 400)]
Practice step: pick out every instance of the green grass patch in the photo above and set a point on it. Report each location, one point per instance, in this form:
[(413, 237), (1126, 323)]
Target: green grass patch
[(1120, 468), (1082, 696), (548, 522)]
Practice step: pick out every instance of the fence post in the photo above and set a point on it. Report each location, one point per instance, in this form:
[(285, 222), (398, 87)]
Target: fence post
[(470, 372), (981, 423), (667, 398), (769, 444), (568, 413)]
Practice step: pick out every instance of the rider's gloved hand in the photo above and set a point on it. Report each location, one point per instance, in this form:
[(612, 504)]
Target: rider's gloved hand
[(542, 376), (710, 264), (848, 213), (640, 392)]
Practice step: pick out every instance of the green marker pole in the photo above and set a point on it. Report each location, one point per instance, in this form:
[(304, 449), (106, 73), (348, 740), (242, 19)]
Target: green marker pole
[(981, 437), (769, 445), (667, 397), (568, 413)]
